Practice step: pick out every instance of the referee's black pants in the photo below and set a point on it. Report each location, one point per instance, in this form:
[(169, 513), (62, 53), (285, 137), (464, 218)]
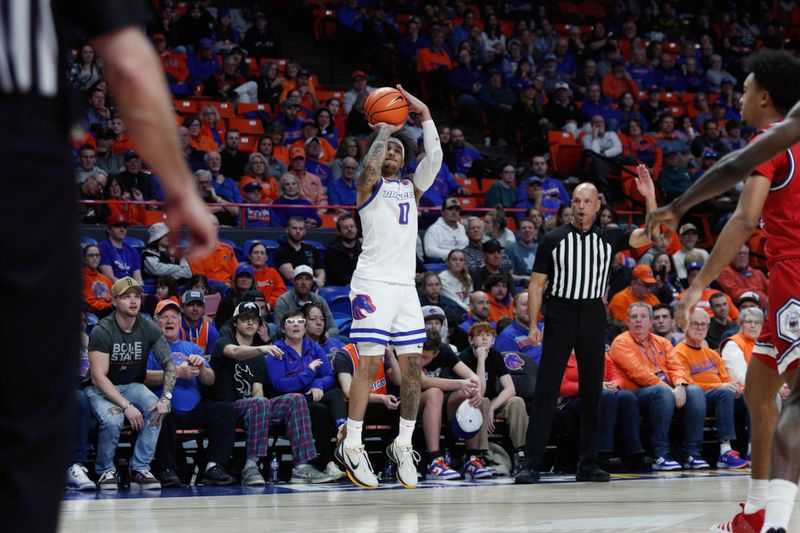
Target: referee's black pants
[(40, 305), (578, 325)]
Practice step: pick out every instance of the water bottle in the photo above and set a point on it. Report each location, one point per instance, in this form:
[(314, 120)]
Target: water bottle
[(274, 468), (447, 458)]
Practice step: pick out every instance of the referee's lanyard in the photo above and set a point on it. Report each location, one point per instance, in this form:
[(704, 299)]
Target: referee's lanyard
[(653, 361)]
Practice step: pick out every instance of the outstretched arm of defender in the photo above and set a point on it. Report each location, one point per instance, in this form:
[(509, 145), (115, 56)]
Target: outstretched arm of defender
[(729, 171)]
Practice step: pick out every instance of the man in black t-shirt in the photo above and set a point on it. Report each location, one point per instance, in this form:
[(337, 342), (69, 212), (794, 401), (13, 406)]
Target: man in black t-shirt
[(294, 252), (383, 405), (118, 351), (442, 394), (239, 364), (489, 366)]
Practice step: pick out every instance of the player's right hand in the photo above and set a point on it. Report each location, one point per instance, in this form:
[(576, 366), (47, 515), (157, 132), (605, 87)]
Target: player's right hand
[(392, 127), (189, 211), (667, 216), (685, 306), (535, 336)]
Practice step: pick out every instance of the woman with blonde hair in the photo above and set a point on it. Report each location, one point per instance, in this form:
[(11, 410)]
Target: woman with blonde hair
[(456, 281), (257, 169), (212, 126)]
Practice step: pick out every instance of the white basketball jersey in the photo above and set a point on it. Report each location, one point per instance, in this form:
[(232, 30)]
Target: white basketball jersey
[(389, 226)]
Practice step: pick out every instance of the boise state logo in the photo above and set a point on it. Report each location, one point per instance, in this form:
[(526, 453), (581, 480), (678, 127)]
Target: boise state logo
[(362, 306), (513, 361)]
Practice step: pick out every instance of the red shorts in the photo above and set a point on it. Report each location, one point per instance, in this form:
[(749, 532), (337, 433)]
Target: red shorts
[(778, 345)]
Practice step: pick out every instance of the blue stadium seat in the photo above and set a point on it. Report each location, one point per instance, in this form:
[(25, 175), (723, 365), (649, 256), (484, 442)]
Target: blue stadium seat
[(149, 288), (236, 249), (91, 322), (135, 243), (340, 305), (329, 292), (86, 241), (343, 323), (435, 267)]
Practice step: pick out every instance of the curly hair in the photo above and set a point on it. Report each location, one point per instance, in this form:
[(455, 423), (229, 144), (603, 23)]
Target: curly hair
[(778, 73)]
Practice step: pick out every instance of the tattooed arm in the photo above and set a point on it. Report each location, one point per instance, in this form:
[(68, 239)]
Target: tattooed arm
[(163, 355), (373, 161)]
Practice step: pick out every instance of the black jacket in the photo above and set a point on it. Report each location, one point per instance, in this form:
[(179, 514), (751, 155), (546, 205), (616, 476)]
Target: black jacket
[(339, 263)]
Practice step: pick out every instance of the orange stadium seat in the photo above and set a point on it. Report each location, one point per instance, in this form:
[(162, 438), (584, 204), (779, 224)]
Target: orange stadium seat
[(187, 107), (225, 109), (471, 184), (247, 126), (248, 143)]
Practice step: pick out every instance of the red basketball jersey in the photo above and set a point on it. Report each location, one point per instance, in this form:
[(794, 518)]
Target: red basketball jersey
[(781, 213)]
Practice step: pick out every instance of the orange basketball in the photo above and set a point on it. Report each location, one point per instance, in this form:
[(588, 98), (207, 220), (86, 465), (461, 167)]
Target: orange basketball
[(386, 104)]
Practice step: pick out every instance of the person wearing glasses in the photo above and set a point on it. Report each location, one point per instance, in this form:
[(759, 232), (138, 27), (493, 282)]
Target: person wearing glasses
[(239, 361), (96, 285), (705, 369), (304, 368)]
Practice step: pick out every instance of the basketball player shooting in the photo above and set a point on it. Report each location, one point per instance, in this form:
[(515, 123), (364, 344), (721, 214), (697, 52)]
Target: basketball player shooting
[(384, 300), (771, 193)]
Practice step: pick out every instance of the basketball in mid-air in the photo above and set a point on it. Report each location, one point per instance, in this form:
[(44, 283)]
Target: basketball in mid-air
[(388, 105)]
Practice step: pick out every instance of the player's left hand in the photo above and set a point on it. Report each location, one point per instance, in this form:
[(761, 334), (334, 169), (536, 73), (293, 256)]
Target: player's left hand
[(189, 211), (666, 216), (392, 127), (415, 105), (644, 183)]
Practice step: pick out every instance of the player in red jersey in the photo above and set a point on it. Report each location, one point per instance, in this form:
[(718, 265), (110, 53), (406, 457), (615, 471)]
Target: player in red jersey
[(772, 193)]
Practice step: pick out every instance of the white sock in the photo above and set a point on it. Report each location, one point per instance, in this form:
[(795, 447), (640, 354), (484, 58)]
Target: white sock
[(406, 430), (724, 447), (756, 495), (779, 504), (251, 461), (210, 465), (353, 438)]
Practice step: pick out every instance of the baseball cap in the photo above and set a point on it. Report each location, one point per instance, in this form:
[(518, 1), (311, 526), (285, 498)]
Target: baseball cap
[(670, 151), (749, 296), (309, 122), (312, 139), (644, 273), (303, 269), (116, 220), (694, 265), (156, 231), (492, 245), (534, 180), (432, 311), (296, 152), (550, 57), (252, 186), (193, 296), (710, 154), (246, 308), (244, 268), (562, 85), (124, 285), (130, 154), (686, 228), (253, 295), (206, 43), (467, 422), (164, 304), (451, 202), (358, 74)]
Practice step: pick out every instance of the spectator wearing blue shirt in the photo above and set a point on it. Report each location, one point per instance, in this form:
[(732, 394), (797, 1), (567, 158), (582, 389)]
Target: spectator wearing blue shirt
[(565, 61), (352, 16), (343, 190), (640, 71), (553, 187), (290, 196), (412, 41), (117, 258), (203, 64), (668, 76), (694, 77), (523, 251), (469, 84), (225, 187), (292, 124), (478, 310), (461, 154), (514, 338), (188, 410), (596, 104), (259, 216), (534, 187), (304, 368)]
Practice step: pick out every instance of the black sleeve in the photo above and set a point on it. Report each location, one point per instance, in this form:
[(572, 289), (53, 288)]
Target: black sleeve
[(316, 259), (618, 238), (342, 364), (98, 17), (447, 356), (259, 373), (220, 345), (495, 364), (468, 358), (543, 263), (282, 255)]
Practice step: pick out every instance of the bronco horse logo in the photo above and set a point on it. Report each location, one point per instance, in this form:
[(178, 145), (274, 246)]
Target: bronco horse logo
[(362, 306)]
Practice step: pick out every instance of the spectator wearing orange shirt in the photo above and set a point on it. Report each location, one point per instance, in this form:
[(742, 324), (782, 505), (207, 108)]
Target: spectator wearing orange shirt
[(310, 130), (738, 278), (268, 280), (618, 81), (96, 286), (198, 139), (433, 65), (498, 293), (257, 169), (619, 407), (706, 370), (660, 383), (220, 265), (122, 142), (640, 290), (175, 66)]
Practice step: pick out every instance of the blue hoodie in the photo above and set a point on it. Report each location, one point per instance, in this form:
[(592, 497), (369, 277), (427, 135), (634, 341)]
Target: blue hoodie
[(291, 373)]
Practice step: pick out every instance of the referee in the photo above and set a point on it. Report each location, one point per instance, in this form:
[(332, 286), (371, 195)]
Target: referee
[(575, 259), (40, 273)]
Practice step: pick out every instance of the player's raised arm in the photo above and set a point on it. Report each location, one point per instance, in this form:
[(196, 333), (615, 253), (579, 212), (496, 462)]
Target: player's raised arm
[(730, 170), (428, 168)]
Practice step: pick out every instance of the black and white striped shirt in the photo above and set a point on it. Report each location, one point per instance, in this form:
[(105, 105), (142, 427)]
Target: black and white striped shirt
[(577, 263), (31, 31)]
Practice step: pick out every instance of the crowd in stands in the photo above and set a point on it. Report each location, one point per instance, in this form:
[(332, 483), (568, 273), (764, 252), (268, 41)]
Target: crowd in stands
[(633, 82)]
